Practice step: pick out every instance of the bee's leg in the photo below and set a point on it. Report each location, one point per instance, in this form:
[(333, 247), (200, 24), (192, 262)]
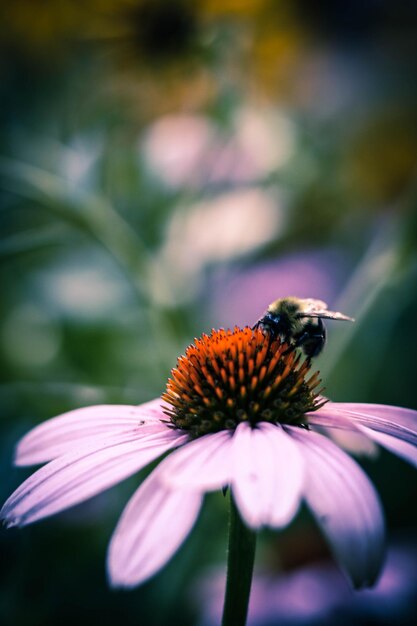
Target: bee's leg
[(311, 343), (267, 331), (298, 343), (301, 340), (272, 335)]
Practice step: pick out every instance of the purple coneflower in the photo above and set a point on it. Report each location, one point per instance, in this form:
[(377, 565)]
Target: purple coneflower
[(244, 413)]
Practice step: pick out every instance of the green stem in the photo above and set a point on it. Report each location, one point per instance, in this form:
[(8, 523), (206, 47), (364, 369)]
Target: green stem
[(241, 556)]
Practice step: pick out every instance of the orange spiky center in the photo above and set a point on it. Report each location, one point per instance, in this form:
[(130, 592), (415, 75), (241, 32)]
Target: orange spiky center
[(229, 377)]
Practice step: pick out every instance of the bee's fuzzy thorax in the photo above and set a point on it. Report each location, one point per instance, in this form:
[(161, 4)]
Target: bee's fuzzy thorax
[(288, 309), (232, 376), (290, 305)]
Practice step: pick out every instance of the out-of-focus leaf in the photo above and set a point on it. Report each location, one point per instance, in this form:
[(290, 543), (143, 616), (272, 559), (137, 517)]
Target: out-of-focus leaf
[(35, 239), (91, 213)]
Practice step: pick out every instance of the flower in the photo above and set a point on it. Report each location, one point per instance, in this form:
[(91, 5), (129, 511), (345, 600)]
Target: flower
[(320, 270), (317, 594), (241, 411)]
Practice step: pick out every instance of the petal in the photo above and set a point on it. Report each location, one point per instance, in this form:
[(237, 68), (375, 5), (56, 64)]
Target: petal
[(79, 475), (61, 434), (352, 441), (346, 507), (268, 475), (203, 464), (405, 450), (152, 527), (392, 420)]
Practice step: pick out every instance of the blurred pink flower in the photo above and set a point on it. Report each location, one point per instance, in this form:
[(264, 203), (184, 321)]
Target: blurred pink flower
[(318, 594), (189, 150), (237, 296), (253, 429)]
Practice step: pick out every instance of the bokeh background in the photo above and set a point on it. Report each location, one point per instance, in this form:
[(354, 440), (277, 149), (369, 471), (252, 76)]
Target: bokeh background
[(166, 167)]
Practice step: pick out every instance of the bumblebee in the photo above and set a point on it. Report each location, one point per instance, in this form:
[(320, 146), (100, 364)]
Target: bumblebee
[(299, 323)]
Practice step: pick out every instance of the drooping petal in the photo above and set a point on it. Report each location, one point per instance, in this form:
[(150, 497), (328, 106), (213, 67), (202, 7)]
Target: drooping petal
[(405, 450), (152, 527), (62, 434), (203, 464), (267, 475), (79, 475), (392, 420), (345, 505), (352, 441)]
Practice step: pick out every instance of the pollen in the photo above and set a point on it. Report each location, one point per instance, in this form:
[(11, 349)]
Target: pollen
[(239, 375)]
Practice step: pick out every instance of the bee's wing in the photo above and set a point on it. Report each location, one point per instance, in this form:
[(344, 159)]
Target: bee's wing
[(309, 305), (318, 308), (331, 315)]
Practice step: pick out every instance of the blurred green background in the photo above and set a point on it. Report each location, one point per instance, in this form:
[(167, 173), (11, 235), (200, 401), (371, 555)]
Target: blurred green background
[(170, 166)]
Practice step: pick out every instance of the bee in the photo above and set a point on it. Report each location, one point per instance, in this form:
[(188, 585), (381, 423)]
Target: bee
[(299, 322)]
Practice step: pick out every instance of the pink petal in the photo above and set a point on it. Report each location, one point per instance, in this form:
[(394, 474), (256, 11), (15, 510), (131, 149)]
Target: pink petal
[(352, 441), (62, 434), (203, 464), (405, 450), (152, 527), (392, 420), (346, 506), (268, 475), (79, 475)]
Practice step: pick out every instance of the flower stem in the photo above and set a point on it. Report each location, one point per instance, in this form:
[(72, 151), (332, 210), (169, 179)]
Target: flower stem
[(241, 556)]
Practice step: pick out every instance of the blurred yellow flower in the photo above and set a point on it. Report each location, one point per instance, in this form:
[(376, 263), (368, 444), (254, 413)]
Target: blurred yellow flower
[(382, 159), (164, 55)]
